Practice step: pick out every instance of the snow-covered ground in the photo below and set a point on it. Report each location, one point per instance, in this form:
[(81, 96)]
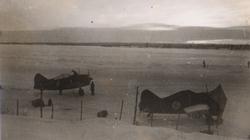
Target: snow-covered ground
[(24, 128), (117, 72)]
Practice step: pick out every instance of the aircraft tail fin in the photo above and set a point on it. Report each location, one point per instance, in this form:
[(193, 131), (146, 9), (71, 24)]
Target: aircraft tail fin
[(39, 80), (148, 100)]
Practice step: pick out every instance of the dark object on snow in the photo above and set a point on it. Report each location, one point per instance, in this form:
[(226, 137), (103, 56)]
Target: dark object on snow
[(1, 87), (209, 132), (176, 103), (102, 114), (62, 82), (38, 103), (50, 102)]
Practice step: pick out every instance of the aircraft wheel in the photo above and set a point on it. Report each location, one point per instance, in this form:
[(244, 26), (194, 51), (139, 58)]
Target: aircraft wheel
[(81, 92)]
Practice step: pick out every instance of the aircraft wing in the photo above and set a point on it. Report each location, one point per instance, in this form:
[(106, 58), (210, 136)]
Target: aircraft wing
[(62, 76)]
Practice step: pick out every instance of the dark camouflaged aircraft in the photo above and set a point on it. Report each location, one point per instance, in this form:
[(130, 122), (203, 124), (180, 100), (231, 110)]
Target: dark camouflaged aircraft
[(62, 82), (212, 103)]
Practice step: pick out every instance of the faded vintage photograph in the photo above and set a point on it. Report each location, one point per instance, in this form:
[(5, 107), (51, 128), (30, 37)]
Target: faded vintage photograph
[(125, 70)]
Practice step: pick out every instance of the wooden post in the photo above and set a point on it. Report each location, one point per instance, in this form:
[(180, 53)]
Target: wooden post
[(120, 117), (217, 130), (41, 104), (178, 121), (52, 110), (136, 99), (151, 119), (17, 107), (81, 110), (209, 126)]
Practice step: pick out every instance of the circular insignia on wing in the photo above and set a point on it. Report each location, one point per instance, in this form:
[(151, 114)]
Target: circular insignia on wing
[(176, 105)]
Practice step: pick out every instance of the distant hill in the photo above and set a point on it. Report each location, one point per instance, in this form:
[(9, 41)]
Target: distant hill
[(151, 27), (140, 33)]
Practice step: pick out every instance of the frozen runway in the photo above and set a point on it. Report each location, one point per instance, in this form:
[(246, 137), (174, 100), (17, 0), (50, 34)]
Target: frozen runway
[(117, 72)]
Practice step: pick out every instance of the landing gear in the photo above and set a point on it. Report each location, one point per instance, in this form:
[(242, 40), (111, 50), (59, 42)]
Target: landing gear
[(60, 92), (81, 92), (219, 121)]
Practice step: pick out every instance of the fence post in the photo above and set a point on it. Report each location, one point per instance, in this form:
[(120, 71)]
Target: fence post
[(81, 110), (41, 104), (209, 124), (52, 110), (17, 107), (136, 99), (151, 119), (121, 111), (178, 121)]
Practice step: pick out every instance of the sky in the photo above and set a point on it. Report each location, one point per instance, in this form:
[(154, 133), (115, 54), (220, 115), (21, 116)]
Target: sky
[(50, 14)]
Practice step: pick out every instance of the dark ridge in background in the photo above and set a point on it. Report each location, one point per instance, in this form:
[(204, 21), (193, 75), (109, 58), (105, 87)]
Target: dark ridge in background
[(142, 35), (142, 45)]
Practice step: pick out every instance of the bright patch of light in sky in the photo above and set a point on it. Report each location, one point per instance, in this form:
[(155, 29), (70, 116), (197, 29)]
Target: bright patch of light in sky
[(30, 14)]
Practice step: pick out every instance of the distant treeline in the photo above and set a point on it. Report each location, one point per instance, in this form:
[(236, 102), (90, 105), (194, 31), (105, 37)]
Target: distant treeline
[(141, 45)]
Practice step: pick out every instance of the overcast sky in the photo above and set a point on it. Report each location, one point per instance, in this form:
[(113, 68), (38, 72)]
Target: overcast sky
[(41, 14)]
